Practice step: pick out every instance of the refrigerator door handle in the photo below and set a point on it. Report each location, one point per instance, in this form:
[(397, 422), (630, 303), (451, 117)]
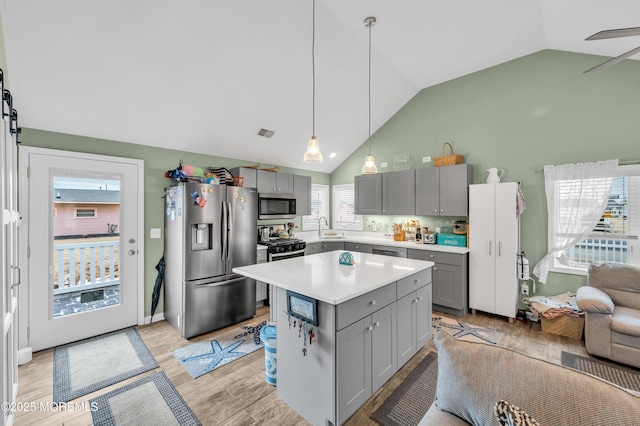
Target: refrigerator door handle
[(218, 283), (229, 230), (223, 231)]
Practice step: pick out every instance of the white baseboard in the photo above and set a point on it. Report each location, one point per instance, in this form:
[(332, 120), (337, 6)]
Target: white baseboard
[(158, 316)]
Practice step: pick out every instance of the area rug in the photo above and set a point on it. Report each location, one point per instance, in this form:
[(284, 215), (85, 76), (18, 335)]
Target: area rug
[(149, 401), (89, 365), (407, 405), (463, 331), (627, 377), (202, 357)]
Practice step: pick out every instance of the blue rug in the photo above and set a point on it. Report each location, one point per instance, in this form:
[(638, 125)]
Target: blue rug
[(202, 357), (89, 365), (149, 401)]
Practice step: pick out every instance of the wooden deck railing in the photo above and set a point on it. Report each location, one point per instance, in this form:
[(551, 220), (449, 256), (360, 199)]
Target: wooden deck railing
[(85, 266)]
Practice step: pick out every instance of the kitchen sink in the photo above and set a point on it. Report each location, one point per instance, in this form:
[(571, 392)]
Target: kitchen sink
[(332, 237)]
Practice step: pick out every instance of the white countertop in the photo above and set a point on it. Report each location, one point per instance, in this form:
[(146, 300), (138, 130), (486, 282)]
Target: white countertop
[(383, 241), (321, 277)]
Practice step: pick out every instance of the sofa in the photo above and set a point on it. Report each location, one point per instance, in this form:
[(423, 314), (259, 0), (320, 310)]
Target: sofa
[(611, 302), (474, 377)]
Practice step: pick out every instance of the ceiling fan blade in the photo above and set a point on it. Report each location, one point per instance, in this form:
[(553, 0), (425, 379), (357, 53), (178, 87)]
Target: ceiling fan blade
[(613, 61), (622, 32)]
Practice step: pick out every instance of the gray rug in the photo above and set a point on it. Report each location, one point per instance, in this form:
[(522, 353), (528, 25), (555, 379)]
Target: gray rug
[(626, 377), (89, 365), (410, 401), (149, 401)]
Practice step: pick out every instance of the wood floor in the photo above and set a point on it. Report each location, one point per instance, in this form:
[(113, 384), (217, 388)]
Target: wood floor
[(237, 394)]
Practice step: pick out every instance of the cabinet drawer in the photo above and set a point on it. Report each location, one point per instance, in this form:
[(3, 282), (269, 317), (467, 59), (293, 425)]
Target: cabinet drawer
[(355, 309), (413, 282), (359, 247), (261, 256), (437, 256)]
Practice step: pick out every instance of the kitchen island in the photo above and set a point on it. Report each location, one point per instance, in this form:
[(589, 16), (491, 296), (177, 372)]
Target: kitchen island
[(372, 317)]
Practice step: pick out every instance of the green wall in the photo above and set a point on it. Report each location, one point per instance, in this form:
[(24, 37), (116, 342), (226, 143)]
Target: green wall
[(519, 116), (156, 162)]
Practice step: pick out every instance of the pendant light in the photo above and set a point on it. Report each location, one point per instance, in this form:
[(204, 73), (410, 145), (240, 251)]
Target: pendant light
[(313, 154), (369, 163)]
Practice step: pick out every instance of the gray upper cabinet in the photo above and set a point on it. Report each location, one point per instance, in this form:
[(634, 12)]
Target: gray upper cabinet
[(249, 175), (368, 194), (274, 182), (302, 191), (398, 196), (443, 191)]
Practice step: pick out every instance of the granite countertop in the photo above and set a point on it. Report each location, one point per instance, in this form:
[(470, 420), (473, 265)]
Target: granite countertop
[(382, 241), (321, 277)]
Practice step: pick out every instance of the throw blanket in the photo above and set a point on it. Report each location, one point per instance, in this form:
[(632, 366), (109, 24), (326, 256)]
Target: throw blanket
[(552, 307)]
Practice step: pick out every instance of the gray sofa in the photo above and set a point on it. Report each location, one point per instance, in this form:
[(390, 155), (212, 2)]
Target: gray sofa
[(473, 377), (611, 302)]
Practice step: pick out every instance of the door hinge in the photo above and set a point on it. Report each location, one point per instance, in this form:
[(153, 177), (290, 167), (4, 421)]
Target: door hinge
[(28, 333)]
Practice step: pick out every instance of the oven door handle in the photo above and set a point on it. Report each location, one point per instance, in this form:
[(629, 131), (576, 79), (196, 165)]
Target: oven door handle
[(288, 254)]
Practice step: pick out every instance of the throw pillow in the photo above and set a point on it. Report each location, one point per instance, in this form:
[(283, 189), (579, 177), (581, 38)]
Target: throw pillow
[(510, 415)]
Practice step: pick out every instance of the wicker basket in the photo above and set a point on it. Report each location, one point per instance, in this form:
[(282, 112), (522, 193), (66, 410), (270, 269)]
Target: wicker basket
[(448, 160), (564, 325)]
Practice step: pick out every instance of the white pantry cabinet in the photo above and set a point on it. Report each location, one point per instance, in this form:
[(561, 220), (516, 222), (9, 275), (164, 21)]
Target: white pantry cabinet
[(493, 245)]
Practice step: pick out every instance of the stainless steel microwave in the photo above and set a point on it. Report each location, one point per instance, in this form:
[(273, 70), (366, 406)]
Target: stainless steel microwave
[(276, 206)]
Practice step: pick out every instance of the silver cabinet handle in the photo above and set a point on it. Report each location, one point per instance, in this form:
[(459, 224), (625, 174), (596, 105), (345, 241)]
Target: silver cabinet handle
[(499, 248), (435, 269), (18, 282), (416, 281), (419, 297), (131, 252), (489, 248), (373, 303), (377, 324), (370, 328)]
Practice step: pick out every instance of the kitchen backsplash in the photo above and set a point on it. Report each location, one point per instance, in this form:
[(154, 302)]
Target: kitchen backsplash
[(385, 223)]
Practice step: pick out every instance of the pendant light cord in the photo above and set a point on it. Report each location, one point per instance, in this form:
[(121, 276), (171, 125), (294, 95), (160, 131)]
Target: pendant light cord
[(370, 25), (313, 70)]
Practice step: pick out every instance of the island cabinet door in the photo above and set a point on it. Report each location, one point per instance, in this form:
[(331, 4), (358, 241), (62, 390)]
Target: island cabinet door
[(353, 354), (384, 349), (406, 328), (423, 315)]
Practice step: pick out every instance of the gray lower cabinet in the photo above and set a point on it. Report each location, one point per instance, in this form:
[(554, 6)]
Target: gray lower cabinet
[(332, 245), (261, 287), (450, 280), (312, 248), (358, 247), (414, 322), (366, 359)]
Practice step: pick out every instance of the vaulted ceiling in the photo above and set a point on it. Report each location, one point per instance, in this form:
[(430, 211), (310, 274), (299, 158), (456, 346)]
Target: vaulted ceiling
[(207, 75)]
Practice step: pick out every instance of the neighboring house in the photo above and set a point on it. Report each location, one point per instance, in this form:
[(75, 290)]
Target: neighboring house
[(86, 212)]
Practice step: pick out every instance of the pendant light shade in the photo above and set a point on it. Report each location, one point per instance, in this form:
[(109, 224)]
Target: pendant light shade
[(369, 163), (313, 154)]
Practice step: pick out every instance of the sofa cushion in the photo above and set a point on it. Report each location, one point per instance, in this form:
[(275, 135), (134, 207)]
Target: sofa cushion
[(620, 281), (473, 376), (626, 321)]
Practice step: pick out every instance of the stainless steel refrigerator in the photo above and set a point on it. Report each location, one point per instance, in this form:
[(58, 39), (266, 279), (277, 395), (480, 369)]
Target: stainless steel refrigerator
[(208, 230)]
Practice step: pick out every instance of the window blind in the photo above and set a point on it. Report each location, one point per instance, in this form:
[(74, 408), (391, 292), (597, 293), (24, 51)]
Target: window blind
[(319, 207), (344, 216)]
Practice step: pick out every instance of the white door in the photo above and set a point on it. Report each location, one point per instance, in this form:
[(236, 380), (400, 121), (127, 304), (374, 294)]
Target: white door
[(9, 270), (84, 245)]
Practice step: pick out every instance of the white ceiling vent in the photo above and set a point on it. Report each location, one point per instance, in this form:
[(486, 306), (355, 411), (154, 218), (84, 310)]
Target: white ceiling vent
[(266, 133)]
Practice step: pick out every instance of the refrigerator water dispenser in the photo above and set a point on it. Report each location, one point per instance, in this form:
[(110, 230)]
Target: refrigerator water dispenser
[(201, 236)]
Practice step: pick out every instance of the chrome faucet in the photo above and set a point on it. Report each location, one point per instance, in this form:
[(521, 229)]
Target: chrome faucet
[(320, 225)]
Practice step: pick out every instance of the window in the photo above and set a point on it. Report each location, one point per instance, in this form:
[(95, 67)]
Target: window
[(319, 207), (344, 216), (615, 236), (83, 213)]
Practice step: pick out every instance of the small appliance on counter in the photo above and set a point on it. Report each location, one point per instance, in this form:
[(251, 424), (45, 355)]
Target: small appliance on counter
[(428, 237)]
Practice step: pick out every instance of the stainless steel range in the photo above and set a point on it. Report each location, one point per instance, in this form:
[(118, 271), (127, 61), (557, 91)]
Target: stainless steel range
[(283, 248)]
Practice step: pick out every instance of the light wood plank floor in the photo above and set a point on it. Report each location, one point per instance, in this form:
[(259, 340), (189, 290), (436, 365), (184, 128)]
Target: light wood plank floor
[(237, 394)]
